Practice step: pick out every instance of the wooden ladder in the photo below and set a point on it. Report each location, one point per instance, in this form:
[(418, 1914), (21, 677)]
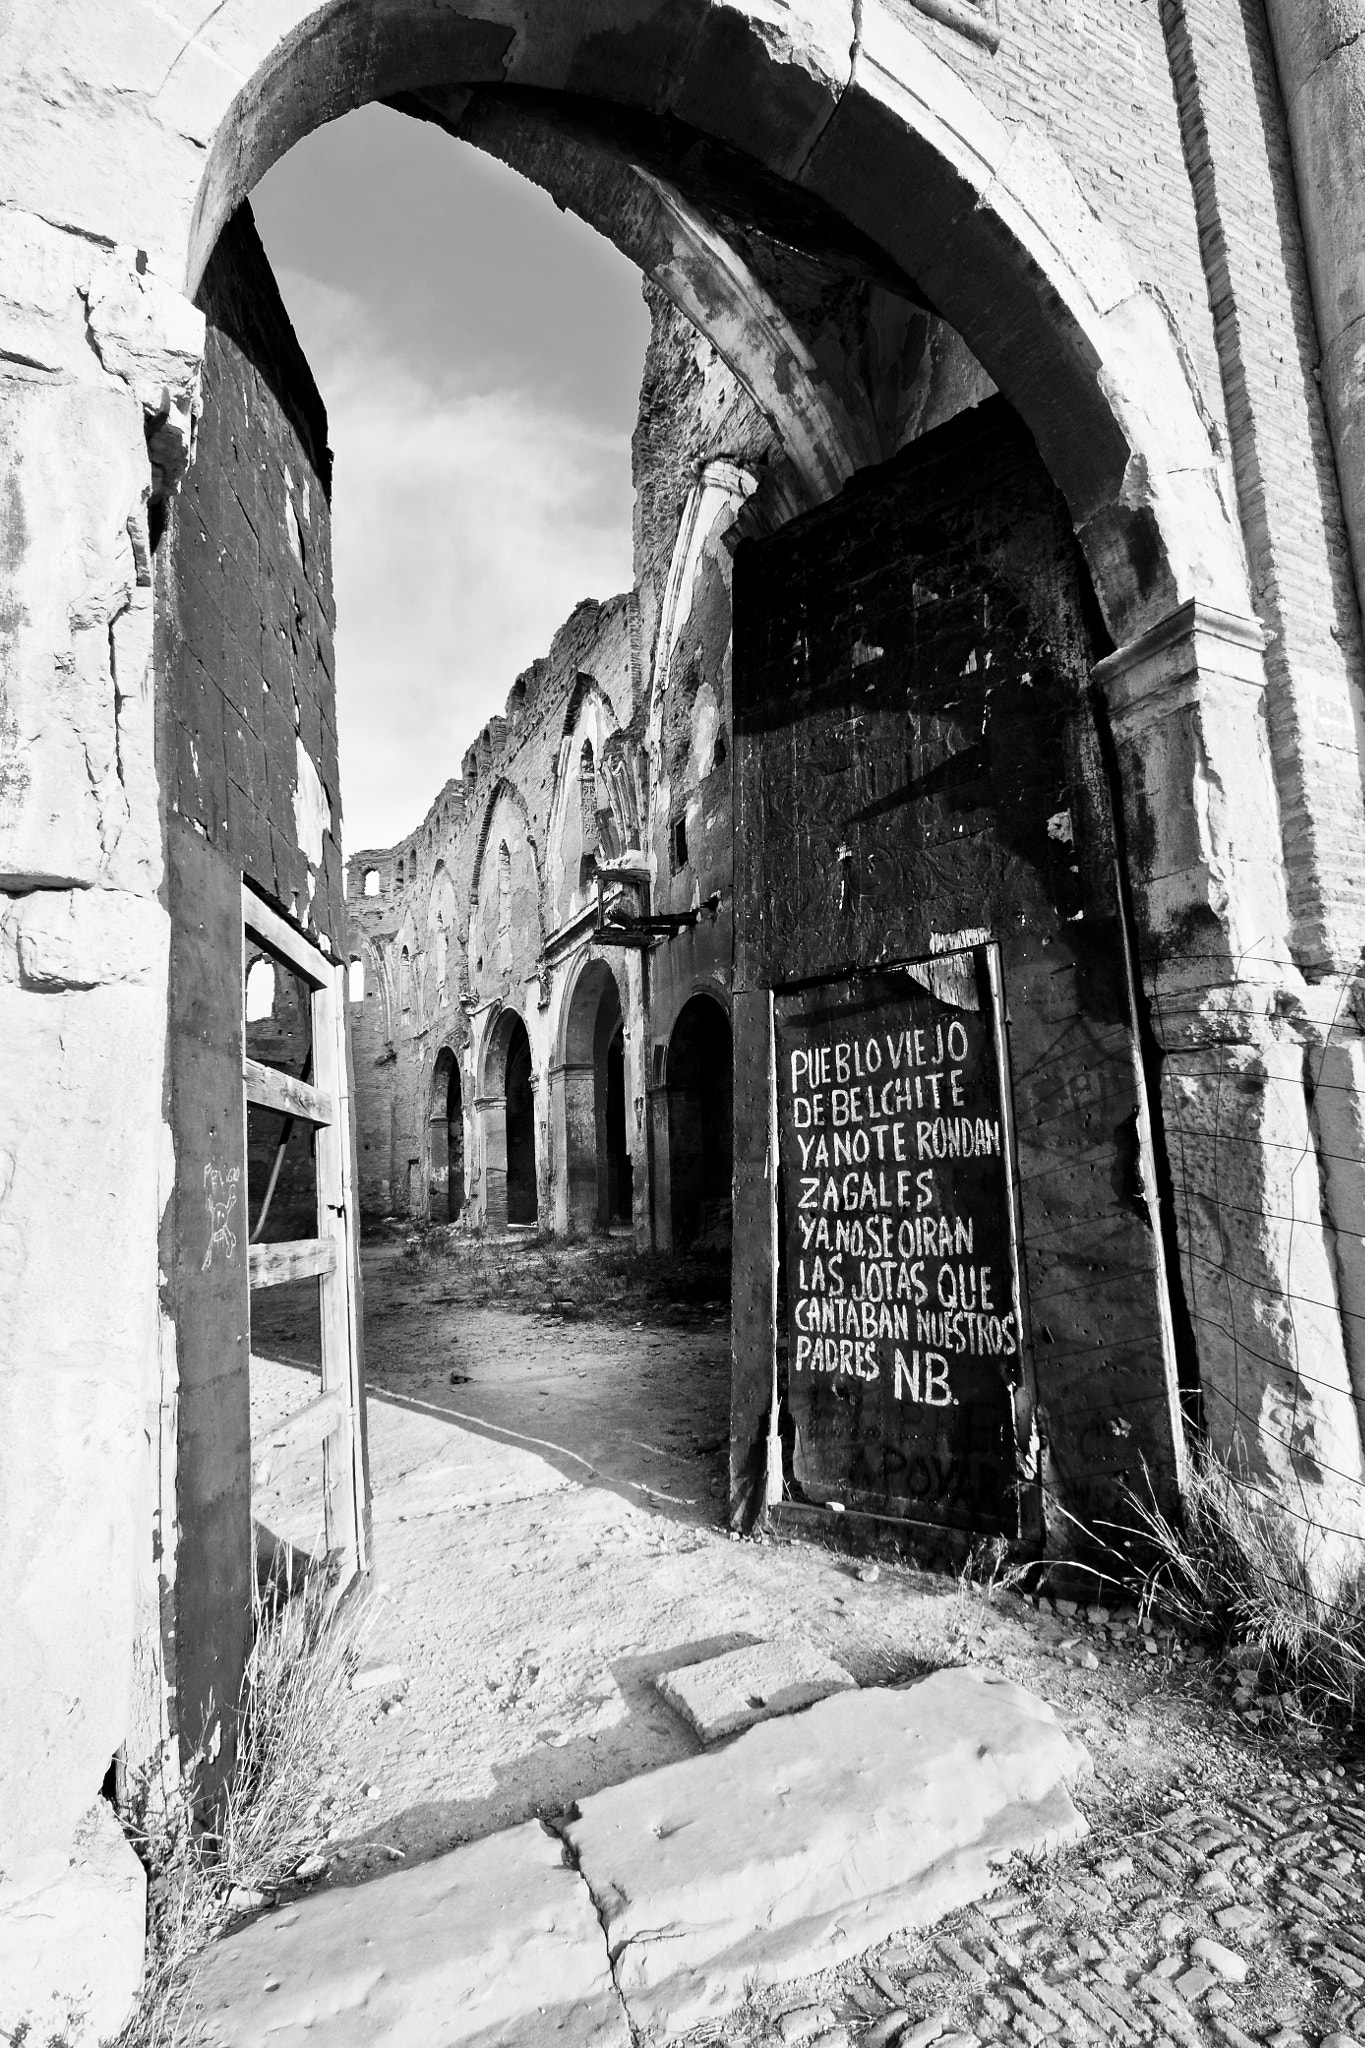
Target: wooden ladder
[(333, 1420)]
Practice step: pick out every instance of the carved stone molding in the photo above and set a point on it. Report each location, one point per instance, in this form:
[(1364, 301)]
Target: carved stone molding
[(1148, 677)]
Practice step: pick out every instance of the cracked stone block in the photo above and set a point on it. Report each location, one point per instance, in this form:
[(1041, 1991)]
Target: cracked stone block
[(729, 1693), (72, 1924), (812, 1837), (803, 2023), (1223, 1960), (496, 1944)]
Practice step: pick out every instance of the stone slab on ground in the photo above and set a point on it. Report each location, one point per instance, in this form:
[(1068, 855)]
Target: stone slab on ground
[(729, 1693), (72, 1927), (812, 1837), (495, 1945)]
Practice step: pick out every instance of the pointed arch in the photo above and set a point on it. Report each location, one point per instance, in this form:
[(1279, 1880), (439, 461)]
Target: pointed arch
[(504, 787)]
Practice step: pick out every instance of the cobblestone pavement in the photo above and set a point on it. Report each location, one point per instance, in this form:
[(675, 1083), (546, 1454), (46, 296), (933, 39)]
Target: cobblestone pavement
[(1188, 1922)]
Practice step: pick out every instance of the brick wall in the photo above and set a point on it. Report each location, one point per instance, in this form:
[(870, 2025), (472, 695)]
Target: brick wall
[(1237, 149), (1094, 79)]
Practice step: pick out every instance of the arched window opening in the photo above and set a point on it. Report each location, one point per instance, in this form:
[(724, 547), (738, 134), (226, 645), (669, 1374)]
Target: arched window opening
[(504, 891), (404, 981), (355, 979), (587, 796), (260, 990), (677, 843), (400, 874), (370, 885)]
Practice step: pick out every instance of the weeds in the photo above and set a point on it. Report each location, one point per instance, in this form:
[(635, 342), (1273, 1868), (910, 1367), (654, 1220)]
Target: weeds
[(205, 1874), (1236, 1568), (988, 1569)]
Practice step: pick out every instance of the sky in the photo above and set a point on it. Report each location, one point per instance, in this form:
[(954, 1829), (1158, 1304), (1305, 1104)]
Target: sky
[(479, 353)]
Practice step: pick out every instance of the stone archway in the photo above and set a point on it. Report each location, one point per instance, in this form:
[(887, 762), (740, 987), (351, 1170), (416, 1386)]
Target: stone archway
[(445, 1139), (848, 115), (598, 1174)]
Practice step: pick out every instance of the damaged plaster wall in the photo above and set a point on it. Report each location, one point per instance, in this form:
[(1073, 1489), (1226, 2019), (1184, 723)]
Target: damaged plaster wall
[(102, 357)]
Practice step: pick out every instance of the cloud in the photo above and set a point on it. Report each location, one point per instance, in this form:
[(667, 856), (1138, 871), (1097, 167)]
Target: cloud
[(479, 353), (466, 526)]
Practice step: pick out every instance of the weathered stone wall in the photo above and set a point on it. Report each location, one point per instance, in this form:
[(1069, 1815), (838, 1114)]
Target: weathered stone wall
[(455, 938), (246, 616), (248, 766)]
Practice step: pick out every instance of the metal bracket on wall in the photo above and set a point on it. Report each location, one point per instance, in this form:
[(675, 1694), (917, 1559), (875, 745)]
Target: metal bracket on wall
[(645, 931)]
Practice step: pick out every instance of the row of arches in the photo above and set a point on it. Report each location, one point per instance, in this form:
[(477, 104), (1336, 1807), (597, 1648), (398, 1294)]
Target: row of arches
[(599, 1162)]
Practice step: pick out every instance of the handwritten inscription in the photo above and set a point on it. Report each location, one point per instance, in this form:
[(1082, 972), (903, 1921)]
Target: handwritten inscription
[(901, 1282), (220, 1199)]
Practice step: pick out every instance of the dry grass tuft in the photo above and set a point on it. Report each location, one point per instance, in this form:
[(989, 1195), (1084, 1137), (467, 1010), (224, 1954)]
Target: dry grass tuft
[(988, 1569), (206, 1873), (1239, 1569)]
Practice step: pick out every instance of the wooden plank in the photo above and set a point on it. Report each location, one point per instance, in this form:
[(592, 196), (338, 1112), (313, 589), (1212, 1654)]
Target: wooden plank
[(299, 1258), (280, 938), (753, 1322), (273, 1088), (359, 1465), (343, 1499), (294, 1434), (210, 1487)]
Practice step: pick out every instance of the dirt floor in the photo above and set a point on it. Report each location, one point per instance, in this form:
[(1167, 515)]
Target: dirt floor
[(547, 1451)]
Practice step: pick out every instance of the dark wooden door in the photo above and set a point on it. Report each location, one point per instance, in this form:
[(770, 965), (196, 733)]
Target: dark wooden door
[(919, 773)]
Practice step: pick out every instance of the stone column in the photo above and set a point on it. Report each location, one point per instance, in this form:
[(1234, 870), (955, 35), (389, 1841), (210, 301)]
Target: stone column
[(660, 1168), (1265, 1267), (100, 381), (753, 1312), (438, 1166), (577, 1157), (490, 1113), (1320, 52)]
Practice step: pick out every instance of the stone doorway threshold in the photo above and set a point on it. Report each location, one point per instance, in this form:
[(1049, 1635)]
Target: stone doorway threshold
[(805, 1840)]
